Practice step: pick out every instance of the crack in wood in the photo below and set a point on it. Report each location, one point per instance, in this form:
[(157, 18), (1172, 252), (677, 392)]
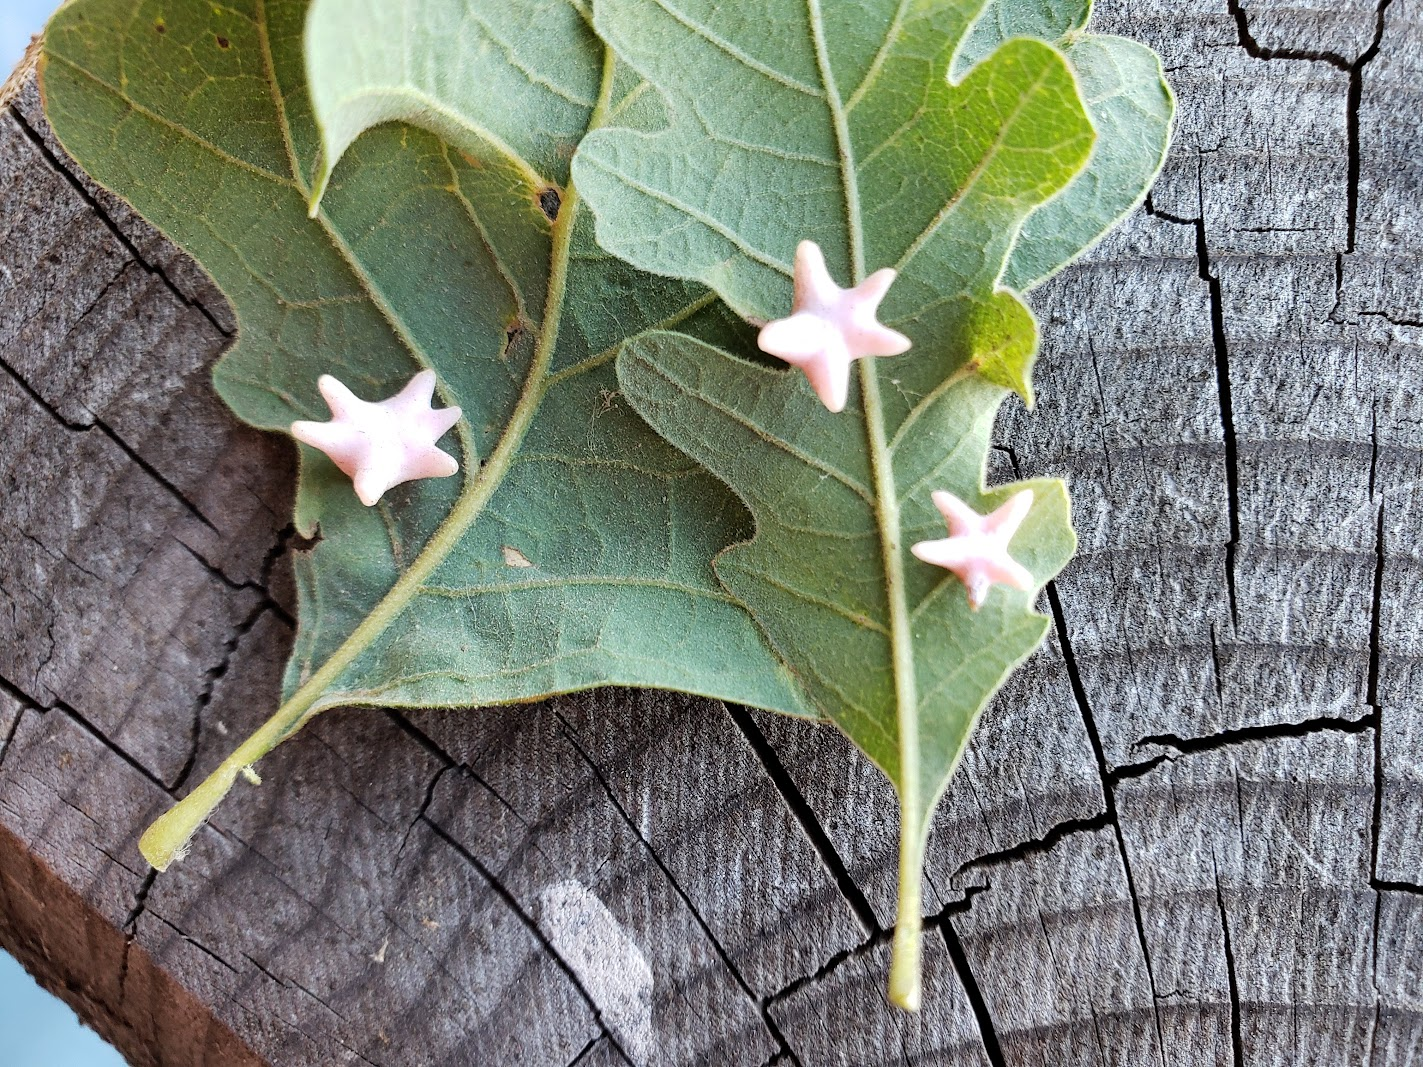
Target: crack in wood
[(511, 902), (62, 708), (1238, 736), (267, 601), (1036, 846), (801, 810), (216, 673), (60, 167), (1225, 399), (1079, 694), (987, 1029), (770, 1024), (1353, 101), (1237, 1042), (123, 446), (130, 924)]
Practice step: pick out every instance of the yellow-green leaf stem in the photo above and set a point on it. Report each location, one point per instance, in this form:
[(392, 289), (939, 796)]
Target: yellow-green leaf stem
[(169, 835), (904, 969)]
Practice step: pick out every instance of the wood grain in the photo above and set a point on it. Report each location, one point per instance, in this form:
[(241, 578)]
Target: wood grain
[(1188, 833)]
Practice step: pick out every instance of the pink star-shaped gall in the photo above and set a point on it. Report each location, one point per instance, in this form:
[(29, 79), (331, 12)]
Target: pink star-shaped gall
[(977, 546), (829, 327), (380, 445)]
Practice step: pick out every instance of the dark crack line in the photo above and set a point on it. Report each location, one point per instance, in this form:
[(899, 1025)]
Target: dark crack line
[(1375, 698), (825, 969), (118, 862), (1237, 1043), (1223, 390), (421, 738), (424, 807), (198, 945), (585, 1051), (103, 216), (511, 902), (25, 709), (1385, 885), (1353, 107), (292, 983), (26, 702), (987, 1031), (1238, 736), (1374, 980), (1353, 101), (140, 901), (118, 442), (449, 762), (99, 299), (30, 704), (1414, 323), (213, 676), (772, 1028), (805, 815), (289, 539), (1334, 315), (58, 557), (1259, 51), (1079, 694), (268, 602), (130, 924), (1102, 420), (876, 940), (1374, 449), (1036, 846), (70, 713), (1219, 675)]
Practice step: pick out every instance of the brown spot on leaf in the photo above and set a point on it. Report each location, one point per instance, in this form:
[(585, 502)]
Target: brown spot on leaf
[(160, 26), (223, 43), (549, 202), (514, 558), (512, 336)]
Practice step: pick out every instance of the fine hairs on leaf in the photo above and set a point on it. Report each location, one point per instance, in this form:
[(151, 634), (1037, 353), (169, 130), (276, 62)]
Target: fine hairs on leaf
[(573, 212)]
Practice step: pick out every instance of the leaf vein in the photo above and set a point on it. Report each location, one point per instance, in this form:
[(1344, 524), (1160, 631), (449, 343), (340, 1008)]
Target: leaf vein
[(771, 439), (736, 53), (698, 215)]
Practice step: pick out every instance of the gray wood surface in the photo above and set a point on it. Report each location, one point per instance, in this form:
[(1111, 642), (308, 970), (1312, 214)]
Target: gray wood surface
[(1187, 834)]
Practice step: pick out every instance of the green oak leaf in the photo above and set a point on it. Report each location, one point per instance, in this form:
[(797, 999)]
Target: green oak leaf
[(575, 547), (837, 121), (1130, 105)]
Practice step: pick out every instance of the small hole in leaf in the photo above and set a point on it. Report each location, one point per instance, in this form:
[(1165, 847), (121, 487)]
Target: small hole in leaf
[(549, 202), (512, 336), (514, 558)]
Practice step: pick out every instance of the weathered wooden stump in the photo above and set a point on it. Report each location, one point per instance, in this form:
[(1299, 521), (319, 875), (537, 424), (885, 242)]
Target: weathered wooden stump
[(1187, 835)]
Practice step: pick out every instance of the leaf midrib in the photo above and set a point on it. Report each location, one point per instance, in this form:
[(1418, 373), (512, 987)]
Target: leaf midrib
[(884, 501), (477, 490), (166, 837)]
